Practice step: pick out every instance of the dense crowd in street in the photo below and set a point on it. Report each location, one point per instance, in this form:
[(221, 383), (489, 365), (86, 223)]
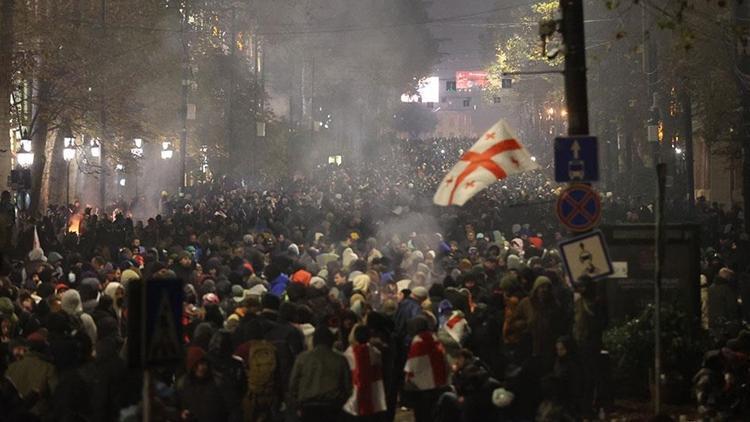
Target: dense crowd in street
[(341, 295)]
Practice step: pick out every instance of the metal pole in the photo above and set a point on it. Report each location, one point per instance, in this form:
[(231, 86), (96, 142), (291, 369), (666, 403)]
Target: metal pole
[(184, 105), (103, 118), (67, 183), (661, 176), (576, 96)]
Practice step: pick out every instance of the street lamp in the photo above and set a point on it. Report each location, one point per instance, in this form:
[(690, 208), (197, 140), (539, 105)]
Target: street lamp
[(24, 155), (69, 153), (137, 149), (95, 148), (166, 150)]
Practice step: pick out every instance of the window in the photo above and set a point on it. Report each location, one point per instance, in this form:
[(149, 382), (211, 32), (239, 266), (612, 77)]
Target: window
[(450, 85), (467, 102)]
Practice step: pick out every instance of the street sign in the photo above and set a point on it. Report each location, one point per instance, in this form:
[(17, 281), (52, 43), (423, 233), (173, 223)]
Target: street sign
[(155, 323), (576, 159), (586, 255), (579, 207)]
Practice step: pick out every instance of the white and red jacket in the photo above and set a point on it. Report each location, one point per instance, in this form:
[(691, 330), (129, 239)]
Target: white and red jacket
[(368, 396), (426, 366)]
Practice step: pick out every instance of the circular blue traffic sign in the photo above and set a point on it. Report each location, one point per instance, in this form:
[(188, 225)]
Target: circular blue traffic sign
[(579, 208)]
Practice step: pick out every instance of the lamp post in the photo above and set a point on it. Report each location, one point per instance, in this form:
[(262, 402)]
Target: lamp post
[(69, 153), (95, 148), (137, 152), (166, 150), (24, 155)]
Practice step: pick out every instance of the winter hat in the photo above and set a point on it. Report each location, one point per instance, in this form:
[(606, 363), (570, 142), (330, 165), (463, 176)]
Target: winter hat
[(541, 281), (348, 257), (502, 397), (352, 275), (420, 293), (464, 265), (194, 355), (509, 282), (361, 283), (318, 283), (303, 277), (210, 298), (293, 249), (237, 293), (71, 302), (271, 302), (514, 262), (54, 258), (128, 276)]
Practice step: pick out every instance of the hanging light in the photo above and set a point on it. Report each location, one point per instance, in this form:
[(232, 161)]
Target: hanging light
[(166, 150), (137, 149), (69, 150), (24, 155), (95, 148)]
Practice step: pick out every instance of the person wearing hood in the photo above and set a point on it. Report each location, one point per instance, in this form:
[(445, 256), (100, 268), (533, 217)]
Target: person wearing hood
[(34, 377), (199, 398), (71, 304), (279, 280), (541, 317), (722, 301), (116, 292)]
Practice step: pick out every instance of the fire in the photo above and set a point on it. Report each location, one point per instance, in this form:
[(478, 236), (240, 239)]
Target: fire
[(74, 223)]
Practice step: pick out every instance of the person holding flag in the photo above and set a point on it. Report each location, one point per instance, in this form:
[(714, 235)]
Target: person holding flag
[(367, 402)]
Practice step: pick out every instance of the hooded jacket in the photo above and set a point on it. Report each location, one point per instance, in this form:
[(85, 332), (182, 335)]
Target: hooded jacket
[(71, 304)]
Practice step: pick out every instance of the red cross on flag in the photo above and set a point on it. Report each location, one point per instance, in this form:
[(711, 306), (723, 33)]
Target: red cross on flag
[(494, 156)]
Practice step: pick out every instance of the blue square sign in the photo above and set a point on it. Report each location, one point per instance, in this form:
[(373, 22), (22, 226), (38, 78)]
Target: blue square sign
[(576, 159)]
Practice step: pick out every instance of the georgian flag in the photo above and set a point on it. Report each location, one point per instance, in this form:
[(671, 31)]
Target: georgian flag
[(426, 366), (494, 156), (368, 396)]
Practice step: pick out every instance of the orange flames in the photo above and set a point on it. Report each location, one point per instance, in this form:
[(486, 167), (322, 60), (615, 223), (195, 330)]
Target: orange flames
[(74, 223)]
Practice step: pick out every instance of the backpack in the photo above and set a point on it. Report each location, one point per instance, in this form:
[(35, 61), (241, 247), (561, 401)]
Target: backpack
[(261, 370)]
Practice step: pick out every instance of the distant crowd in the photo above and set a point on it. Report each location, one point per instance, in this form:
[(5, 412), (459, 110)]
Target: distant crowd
[(340, 295)]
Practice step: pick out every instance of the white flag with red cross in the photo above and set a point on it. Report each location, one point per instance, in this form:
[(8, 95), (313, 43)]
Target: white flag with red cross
[(496, 155)]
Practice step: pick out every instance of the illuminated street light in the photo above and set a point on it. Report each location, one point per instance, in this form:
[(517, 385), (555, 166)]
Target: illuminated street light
[(24, 155), (122, 182), (678, 151), (69, 153), (69, 150), (95, 148), (551, 111), (564, 112), (166, 150), (533, 158), (137, 149)]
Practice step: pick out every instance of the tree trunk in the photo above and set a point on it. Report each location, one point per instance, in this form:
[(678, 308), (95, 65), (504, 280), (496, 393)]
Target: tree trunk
[(742, 15), (39, 143), (6, 78)]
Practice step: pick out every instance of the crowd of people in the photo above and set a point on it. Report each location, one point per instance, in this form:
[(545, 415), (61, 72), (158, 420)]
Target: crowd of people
[(342, 295)]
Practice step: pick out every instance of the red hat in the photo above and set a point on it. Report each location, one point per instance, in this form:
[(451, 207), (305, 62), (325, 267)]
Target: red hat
[(302, 277), (210, 298), (61, 287), (194, 355), (36, 336)]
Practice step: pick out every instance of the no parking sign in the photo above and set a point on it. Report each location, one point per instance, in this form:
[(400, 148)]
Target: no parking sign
[(579, 208)]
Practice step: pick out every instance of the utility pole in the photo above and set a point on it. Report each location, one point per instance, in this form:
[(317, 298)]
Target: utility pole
[(229, 112), (687, 130), (103, 121), (742, 59), (650, 69), (184, 104), (576, 96)]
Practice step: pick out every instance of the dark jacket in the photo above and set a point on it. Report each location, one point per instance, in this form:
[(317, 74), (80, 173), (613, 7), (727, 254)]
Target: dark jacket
[(321, 376)]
